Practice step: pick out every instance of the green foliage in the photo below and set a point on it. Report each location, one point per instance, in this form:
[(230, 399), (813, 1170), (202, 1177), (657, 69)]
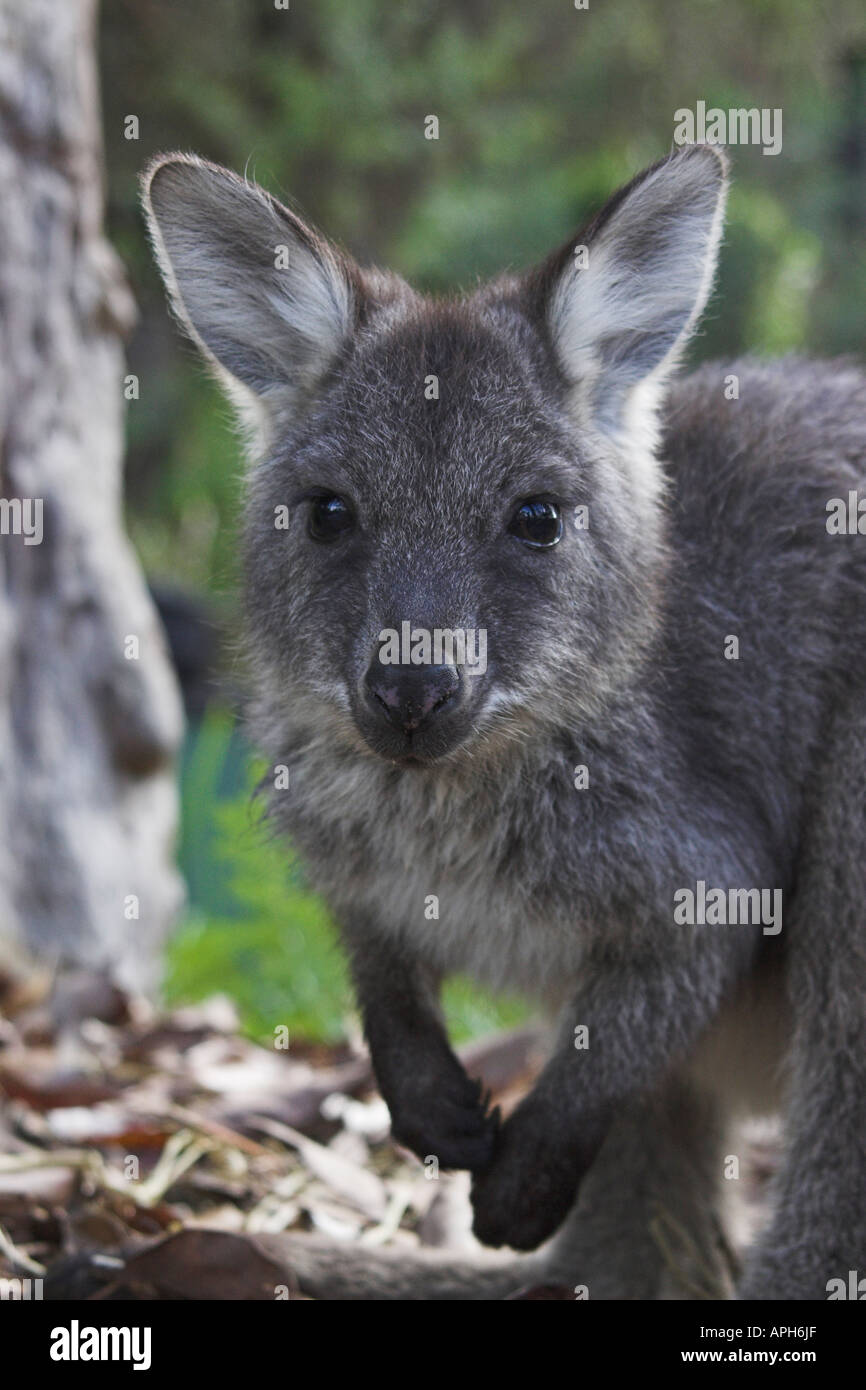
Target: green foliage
[(254, 931), (187, 532)]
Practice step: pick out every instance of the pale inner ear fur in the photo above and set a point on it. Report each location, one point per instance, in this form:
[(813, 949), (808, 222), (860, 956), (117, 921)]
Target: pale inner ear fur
[(620, 323), (268, 302)]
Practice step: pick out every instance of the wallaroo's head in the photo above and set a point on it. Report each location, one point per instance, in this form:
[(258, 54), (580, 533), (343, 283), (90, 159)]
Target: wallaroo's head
[(455, 519)]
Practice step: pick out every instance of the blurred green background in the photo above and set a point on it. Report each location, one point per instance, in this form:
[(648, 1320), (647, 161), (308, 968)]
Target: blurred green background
[(543, 111)]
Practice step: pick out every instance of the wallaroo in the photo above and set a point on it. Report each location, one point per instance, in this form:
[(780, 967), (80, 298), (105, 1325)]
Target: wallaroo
[(697, 646)]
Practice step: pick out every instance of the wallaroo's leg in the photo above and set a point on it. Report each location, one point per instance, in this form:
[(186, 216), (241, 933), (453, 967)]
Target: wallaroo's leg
[(647, 1224), (818, 1231)]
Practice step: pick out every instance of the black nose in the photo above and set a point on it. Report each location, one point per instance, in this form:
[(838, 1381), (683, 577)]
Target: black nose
[(409, 696)]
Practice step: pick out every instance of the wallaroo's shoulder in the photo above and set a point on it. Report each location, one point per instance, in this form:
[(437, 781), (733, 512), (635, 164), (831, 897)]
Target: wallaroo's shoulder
[(793, 383), (795, 409)]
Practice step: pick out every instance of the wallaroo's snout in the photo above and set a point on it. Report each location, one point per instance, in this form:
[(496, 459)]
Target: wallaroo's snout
[(414, 703), (409, 697)]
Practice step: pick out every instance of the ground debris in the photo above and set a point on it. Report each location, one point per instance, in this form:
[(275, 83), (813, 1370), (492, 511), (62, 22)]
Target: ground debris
[(147, 1156)]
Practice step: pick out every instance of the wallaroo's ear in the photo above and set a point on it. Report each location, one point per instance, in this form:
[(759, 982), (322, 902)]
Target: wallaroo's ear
[(268, 301), (622, 298)]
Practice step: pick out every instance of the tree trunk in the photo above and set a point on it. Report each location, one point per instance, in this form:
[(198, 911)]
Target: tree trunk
[(89, 712)]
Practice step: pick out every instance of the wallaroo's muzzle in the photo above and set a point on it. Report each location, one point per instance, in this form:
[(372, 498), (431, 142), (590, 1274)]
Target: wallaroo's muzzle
[(411, 697)]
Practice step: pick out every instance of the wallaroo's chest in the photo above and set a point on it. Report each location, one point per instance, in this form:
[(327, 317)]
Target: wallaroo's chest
[(510, 878)]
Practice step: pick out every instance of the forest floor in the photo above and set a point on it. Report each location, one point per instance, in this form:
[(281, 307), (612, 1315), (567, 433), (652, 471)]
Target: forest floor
[(146, 1155)]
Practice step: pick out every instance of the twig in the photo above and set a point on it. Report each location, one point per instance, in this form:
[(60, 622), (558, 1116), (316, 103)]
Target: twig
[(16, 1256)]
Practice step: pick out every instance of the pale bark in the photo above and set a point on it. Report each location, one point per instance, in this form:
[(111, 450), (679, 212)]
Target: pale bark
[(87, 736)]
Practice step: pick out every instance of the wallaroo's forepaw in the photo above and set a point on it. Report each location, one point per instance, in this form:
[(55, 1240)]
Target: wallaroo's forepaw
[(525, 1195), (450, 1123), (521, 1204)]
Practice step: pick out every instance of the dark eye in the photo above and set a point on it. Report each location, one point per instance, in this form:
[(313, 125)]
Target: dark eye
[(329, 518), (537, 523)]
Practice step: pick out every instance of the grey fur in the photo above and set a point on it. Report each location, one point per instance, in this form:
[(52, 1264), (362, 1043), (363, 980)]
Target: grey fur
[(608, 652)]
